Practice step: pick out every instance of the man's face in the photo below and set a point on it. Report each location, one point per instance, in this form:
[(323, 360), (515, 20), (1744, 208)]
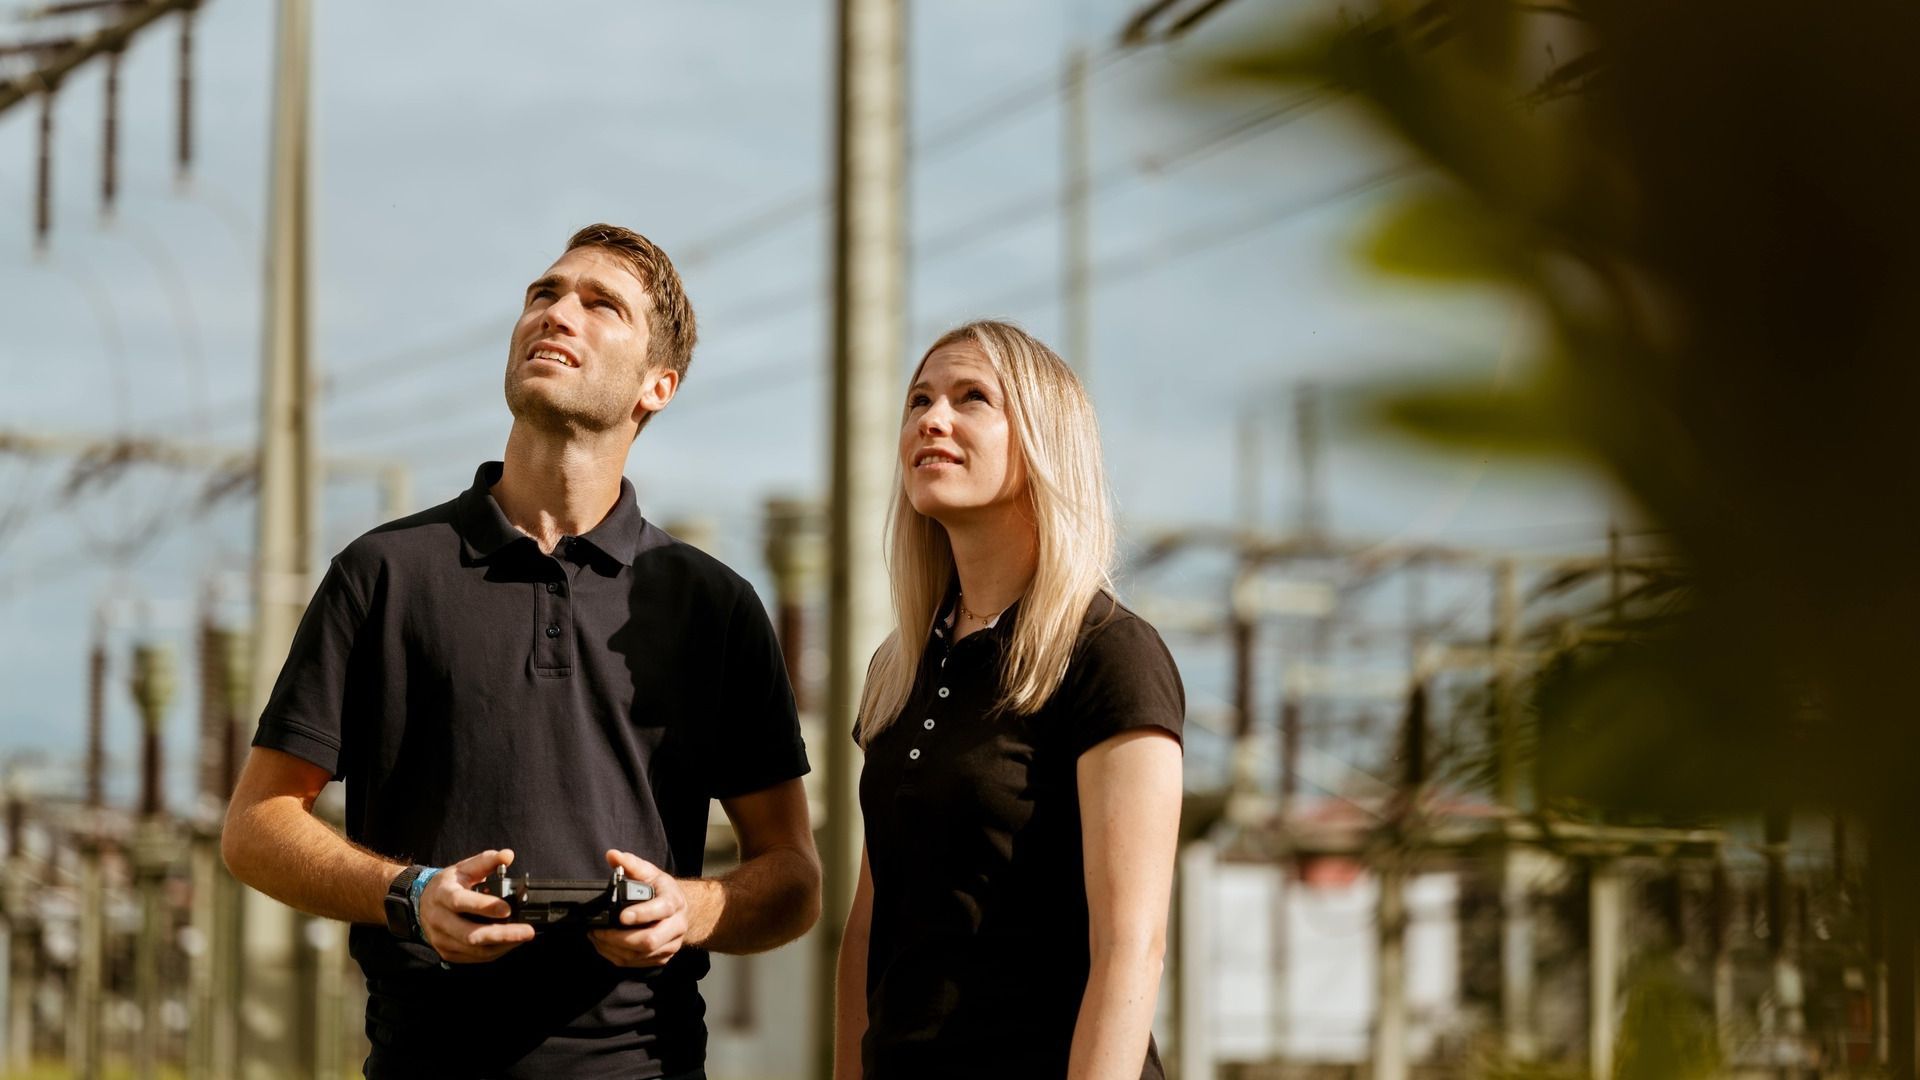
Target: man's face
[(578, 357)]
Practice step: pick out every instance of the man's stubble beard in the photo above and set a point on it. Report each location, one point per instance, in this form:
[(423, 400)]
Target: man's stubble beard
[(588, 409)]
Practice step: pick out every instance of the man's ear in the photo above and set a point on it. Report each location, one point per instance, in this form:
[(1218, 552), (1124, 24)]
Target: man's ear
[(655, 391)]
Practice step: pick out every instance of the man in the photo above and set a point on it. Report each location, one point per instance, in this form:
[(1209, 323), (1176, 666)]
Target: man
[(534, 676)]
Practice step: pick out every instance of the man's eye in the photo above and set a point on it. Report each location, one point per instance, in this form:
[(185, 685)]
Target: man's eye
[(541, 294), (608, 304)]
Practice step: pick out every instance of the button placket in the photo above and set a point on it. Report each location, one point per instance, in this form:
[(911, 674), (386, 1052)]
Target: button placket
[(553, 622)]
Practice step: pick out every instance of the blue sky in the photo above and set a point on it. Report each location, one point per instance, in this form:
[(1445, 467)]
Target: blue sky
[(456, 145)]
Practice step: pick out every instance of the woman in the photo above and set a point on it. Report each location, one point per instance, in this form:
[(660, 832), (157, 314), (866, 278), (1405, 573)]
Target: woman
[(1021, 791)]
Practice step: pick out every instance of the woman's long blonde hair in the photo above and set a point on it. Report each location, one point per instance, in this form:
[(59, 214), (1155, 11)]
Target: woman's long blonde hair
[(1055, 433)]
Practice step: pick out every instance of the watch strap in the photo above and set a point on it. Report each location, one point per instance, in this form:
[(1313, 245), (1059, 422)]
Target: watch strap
[(402, 916)]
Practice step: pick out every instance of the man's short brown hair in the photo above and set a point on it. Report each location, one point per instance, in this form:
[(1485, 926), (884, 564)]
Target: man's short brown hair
[(670, 329)]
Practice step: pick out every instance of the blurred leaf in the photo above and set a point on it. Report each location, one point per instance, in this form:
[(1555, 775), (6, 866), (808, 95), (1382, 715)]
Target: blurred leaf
[(1441, 236), (1488, 32), (1666, 728), (1475, 416)]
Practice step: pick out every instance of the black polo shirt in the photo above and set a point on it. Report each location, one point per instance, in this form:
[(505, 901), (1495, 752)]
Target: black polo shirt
[(978, 957), (474, 692)]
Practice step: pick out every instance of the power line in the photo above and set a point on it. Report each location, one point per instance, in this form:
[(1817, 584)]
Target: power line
[(765, 378), (1154, 256), (785, 300), (743, 232), (978, 120), (1022, 211)]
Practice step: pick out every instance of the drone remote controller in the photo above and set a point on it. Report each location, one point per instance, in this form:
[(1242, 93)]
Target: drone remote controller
[(544, 902)]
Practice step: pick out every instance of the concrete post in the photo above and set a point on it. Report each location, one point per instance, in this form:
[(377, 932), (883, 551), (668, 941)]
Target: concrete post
[(870, 242), (84, 1031), (153, 686), (21, 934), (1606, 899), (273, 1013), (796, 555), (1390, 1022), (1193, 989)]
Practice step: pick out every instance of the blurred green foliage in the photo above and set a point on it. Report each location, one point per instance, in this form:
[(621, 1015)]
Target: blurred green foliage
[(1712, 207), (1711, 211), (1667, 1031)]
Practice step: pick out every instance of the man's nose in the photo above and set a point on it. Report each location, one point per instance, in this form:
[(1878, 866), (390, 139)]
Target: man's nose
[(562, 314)]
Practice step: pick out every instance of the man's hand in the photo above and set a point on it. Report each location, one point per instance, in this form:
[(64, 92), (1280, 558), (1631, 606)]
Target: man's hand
[(448, 902), (651, 932)]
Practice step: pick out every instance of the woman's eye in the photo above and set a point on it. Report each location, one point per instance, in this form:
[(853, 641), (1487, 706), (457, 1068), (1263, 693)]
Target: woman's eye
[(917, 401), (976, 394)]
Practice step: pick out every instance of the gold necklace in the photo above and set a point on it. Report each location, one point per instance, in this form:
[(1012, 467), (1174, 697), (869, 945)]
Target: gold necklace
[(960, 601)]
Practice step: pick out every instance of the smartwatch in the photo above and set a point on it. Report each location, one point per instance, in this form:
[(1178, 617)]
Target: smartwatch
[(399, 904)]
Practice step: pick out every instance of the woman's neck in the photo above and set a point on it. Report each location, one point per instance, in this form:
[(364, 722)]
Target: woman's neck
[(995, 559)]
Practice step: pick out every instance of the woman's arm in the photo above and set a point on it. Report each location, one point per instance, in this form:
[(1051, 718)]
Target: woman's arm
[(850, 989), (1130, 825)]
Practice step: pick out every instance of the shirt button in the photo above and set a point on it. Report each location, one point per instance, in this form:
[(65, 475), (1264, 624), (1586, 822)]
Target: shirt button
[(943, 691), (929, 724), (553, 631), (553, 586), (914, 754)]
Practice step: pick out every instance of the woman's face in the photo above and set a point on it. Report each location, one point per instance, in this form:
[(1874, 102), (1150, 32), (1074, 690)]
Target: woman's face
[(956, 447)]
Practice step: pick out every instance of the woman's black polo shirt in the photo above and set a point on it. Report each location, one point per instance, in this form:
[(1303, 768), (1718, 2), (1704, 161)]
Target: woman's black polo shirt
[(474, 693), (978, 957)]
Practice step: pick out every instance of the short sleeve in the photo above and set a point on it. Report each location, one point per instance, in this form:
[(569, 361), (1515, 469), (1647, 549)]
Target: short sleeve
[(756, 740), (305, 714), (1123, 678)]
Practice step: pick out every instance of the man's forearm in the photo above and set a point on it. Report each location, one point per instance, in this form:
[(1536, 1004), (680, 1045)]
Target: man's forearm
[(763, 903), (277, 846)]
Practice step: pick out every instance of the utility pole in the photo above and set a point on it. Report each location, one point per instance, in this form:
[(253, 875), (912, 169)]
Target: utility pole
[(1077, 234), (1789, 1019), (1390, 1057), (1390, 967), (153, 686), (83, 1032), (794, 554), (1516, 886), (1720, 925), (276, 1018), (869, 317), (1606, 901), (22, 935), (1312, 516), (1243, 610), (213, 974)]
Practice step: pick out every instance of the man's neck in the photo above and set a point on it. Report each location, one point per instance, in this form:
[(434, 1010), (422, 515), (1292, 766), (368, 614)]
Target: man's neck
[(557, 485)]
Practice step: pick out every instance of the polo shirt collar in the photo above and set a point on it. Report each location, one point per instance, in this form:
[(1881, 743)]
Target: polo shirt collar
[(484, 528)]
